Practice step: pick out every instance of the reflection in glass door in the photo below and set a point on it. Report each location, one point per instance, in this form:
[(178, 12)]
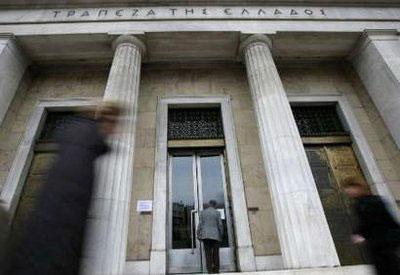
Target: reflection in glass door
[(195, 179)]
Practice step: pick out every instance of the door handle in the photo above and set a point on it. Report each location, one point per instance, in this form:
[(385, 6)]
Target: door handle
[(191, 229)]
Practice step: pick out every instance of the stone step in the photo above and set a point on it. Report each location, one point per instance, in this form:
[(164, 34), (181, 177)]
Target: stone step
[(342, 270)]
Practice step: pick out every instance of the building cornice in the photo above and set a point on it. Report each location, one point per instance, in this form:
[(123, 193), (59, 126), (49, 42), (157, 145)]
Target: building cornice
[(133, 13), (41, 4)]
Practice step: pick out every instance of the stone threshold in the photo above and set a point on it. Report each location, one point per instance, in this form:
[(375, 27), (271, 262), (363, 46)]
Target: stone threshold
[(341, 270)]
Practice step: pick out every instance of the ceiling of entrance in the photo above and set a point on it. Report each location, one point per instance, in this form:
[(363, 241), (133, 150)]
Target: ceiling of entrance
[(185, 47), (65, 3)]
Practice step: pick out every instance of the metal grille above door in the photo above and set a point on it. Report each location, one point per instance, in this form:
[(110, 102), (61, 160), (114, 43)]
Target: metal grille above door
[(318, 121), (196, 123)]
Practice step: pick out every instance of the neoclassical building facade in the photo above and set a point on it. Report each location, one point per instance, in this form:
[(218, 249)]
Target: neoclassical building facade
[(264, 106)]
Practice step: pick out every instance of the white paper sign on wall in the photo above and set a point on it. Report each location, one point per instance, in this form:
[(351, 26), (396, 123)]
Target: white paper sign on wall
[(144, 206)]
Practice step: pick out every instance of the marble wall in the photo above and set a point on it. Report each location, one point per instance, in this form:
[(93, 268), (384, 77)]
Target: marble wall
[(342, 79), (382, 143), (208, 81), (157, 81), (317, 79), (38, 84)]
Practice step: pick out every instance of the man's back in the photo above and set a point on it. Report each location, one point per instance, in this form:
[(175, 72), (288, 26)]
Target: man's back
[(210, 226)]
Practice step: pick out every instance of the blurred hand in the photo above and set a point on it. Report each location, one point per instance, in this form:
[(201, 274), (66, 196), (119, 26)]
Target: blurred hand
[(357, 239)]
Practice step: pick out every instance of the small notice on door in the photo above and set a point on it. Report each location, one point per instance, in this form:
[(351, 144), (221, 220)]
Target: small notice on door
[(144, 206), (222, 213)]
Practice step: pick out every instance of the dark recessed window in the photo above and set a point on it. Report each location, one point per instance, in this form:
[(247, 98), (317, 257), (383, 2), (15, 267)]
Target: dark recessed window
[(196, 123), (317, 121), (56, 123)]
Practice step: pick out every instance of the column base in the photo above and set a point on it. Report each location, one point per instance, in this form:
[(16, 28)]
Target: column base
[(246, 261), (158, 262)]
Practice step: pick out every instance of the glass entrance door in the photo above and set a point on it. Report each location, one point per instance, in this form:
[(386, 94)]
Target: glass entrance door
[(195, 178)]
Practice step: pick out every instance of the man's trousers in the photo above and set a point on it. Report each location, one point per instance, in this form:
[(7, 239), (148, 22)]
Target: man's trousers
[(211, 248)]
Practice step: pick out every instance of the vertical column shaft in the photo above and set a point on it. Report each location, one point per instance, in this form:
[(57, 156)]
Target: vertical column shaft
[(377, 61), (108, 223), (303, 231)]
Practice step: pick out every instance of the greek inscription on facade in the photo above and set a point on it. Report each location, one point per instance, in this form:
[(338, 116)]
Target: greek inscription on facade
[(151, 12), (227, 11), (187, 11), (56, 13), (102, 12), (70, 13), (85, 13), (192, 12), (244, 11)]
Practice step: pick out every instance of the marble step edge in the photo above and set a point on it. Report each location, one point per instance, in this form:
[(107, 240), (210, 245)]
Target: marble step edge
[(341, 270)]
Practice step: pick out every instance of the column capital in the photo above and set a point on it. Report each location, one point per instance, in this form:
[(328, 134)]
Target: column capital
[(131, 40), (255, 39)]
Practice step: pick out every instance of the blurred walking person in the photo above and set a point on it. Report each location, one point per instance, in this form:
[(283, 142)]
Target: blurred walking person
[(53, 234), (376, 227), (210, 231), (4, 226)]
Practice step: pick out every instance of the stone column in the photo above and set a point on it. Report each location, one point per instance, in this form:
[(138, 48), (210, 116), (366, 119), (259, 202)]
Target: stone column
[(12, 67), (377, 61), (303, 231), (108, 222)]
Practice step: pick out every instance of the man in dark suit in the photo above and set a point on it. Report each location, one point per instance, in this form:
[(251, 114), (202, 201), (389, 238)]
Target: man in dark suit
[(210, 231), (4, 219), (376, 227)]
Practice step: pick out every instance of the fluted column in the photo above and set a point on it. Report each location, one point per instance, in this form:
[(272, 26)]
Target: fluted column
[(108, 232), (303, 231)]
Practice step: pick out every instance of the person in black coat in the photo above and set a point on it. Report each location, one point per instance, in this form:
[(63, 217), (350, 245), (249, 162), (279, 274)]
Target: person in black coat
[(376, 227), (4, 220), (53, 234)]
